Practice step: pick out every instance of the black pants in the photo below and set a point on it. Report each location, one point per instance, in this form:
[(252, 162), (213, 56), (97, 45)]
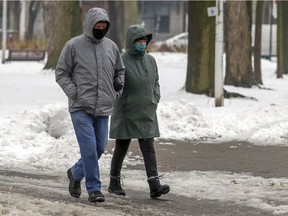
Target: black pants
[(148, 152)]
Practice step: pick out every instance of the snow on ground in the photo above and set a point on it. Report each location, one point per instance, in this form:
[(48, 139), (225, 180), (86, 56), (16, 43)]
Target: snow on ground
[(36, 133)]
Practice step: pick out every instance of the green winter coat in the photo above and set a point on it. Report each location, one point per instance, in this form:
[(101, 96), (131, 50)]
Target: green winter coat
[(134, 115)]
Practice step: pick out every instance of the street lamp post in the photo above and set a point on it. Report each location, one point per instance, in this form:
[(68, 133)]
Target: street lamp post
[(4, 30), (219, 38), (271, 30)]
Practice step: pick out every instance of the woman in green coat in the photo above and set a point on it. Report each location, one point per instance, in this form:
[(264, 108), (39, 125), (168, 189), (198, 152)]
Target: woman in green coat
[(134, 115)]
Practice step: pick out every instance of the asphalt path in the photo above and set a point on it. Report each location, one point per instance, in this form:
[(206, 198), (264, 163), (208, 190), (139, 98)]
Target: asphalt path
[(236, 157)]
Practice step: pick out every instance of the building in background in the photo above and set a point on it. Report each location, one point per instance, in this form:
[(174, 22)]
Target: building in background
[(164, 18)]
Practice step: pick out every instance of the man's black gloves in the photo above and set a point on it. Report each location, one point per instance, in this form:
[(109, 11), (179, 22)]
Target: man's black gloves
[(117, 86)]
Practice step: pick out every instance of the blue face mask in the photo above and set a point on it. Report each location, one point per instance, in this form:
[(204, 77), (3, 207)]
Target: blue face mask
[(139, 47)]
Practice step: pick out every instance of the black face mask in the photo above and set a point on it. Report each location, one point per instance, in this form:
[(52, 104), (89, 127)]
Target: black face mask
[(99, 33)]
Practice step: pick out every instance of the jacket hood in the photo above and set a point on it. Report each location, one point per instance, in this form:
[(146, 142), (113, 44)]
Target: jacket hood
[(134, 32), (93, 16)]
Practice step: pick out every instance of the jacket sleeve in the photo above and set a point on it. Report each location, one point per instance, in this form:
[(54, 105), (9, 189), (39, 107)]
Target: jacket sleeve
[(64, 71), (157, 85), (119, 72)]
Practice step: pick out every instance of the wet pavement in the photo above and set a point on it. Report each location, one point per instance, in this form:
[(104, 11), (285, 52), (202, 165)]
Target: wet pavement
[(172, 155), (235, 157)]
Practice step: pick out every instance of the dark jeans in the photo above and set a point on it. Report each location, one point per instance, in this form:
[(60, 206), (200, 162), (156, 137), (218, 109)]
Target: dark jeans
[(148, 152)]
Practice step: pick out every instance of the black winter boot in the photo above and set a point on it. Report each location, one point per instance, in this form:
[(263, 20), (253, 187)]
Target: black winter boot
[(115, 186), (74, 186), (156, 189), (96, 196)]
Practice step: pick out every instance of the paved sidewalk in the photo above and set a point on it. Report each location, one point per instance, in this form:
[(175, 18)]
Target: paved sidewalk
[(237, 157), (264, 161)]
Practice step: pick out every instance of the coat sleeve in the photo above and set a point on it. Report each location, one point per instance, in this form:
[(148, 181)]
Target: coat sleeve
[(119, 72), (64, 71), (157, 85)]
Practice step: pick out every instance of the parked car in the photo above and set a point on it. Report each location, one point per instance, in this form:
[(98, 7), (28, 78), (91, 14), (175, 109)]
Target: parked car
[(178, 40), (177, 43)]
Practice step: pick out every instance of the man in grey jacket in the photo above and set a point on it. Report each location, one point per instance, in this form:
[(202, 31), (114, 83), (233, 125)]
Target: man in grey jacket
[(91, 73)]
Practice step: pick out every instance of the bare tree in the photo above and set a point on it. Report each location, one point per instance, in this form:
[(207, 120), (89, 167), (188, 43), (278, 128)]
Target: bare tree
[(238, 44), (62, 21), (201, 47), (116, 19), (282, 38), (86, 5), (14, 13), (257, 41), (280, 63), (121, 14), (131, 15), (34, 8), (285, 35)]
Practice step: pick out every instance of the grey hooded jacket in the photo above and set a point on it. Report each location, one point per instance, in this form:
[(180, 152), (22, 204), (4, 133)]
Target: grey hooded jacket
[(87, 68)]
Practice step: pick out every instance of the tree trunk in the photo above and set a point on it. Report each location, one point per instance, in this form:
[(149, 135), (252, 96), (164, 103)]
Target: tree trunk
[(131, 13), (257, 41), (116, 19), (282, 38), (131, 16), (34, 8), (201, 48), (86, 5), (122, 14), (62, 21), (280, 63), (115, 10), (14, 11), (285, 35), (238, 44)]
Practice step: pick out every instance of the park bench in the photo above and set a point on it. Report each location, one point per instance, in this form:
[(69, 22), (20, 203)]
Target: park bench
[(26, 55)]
